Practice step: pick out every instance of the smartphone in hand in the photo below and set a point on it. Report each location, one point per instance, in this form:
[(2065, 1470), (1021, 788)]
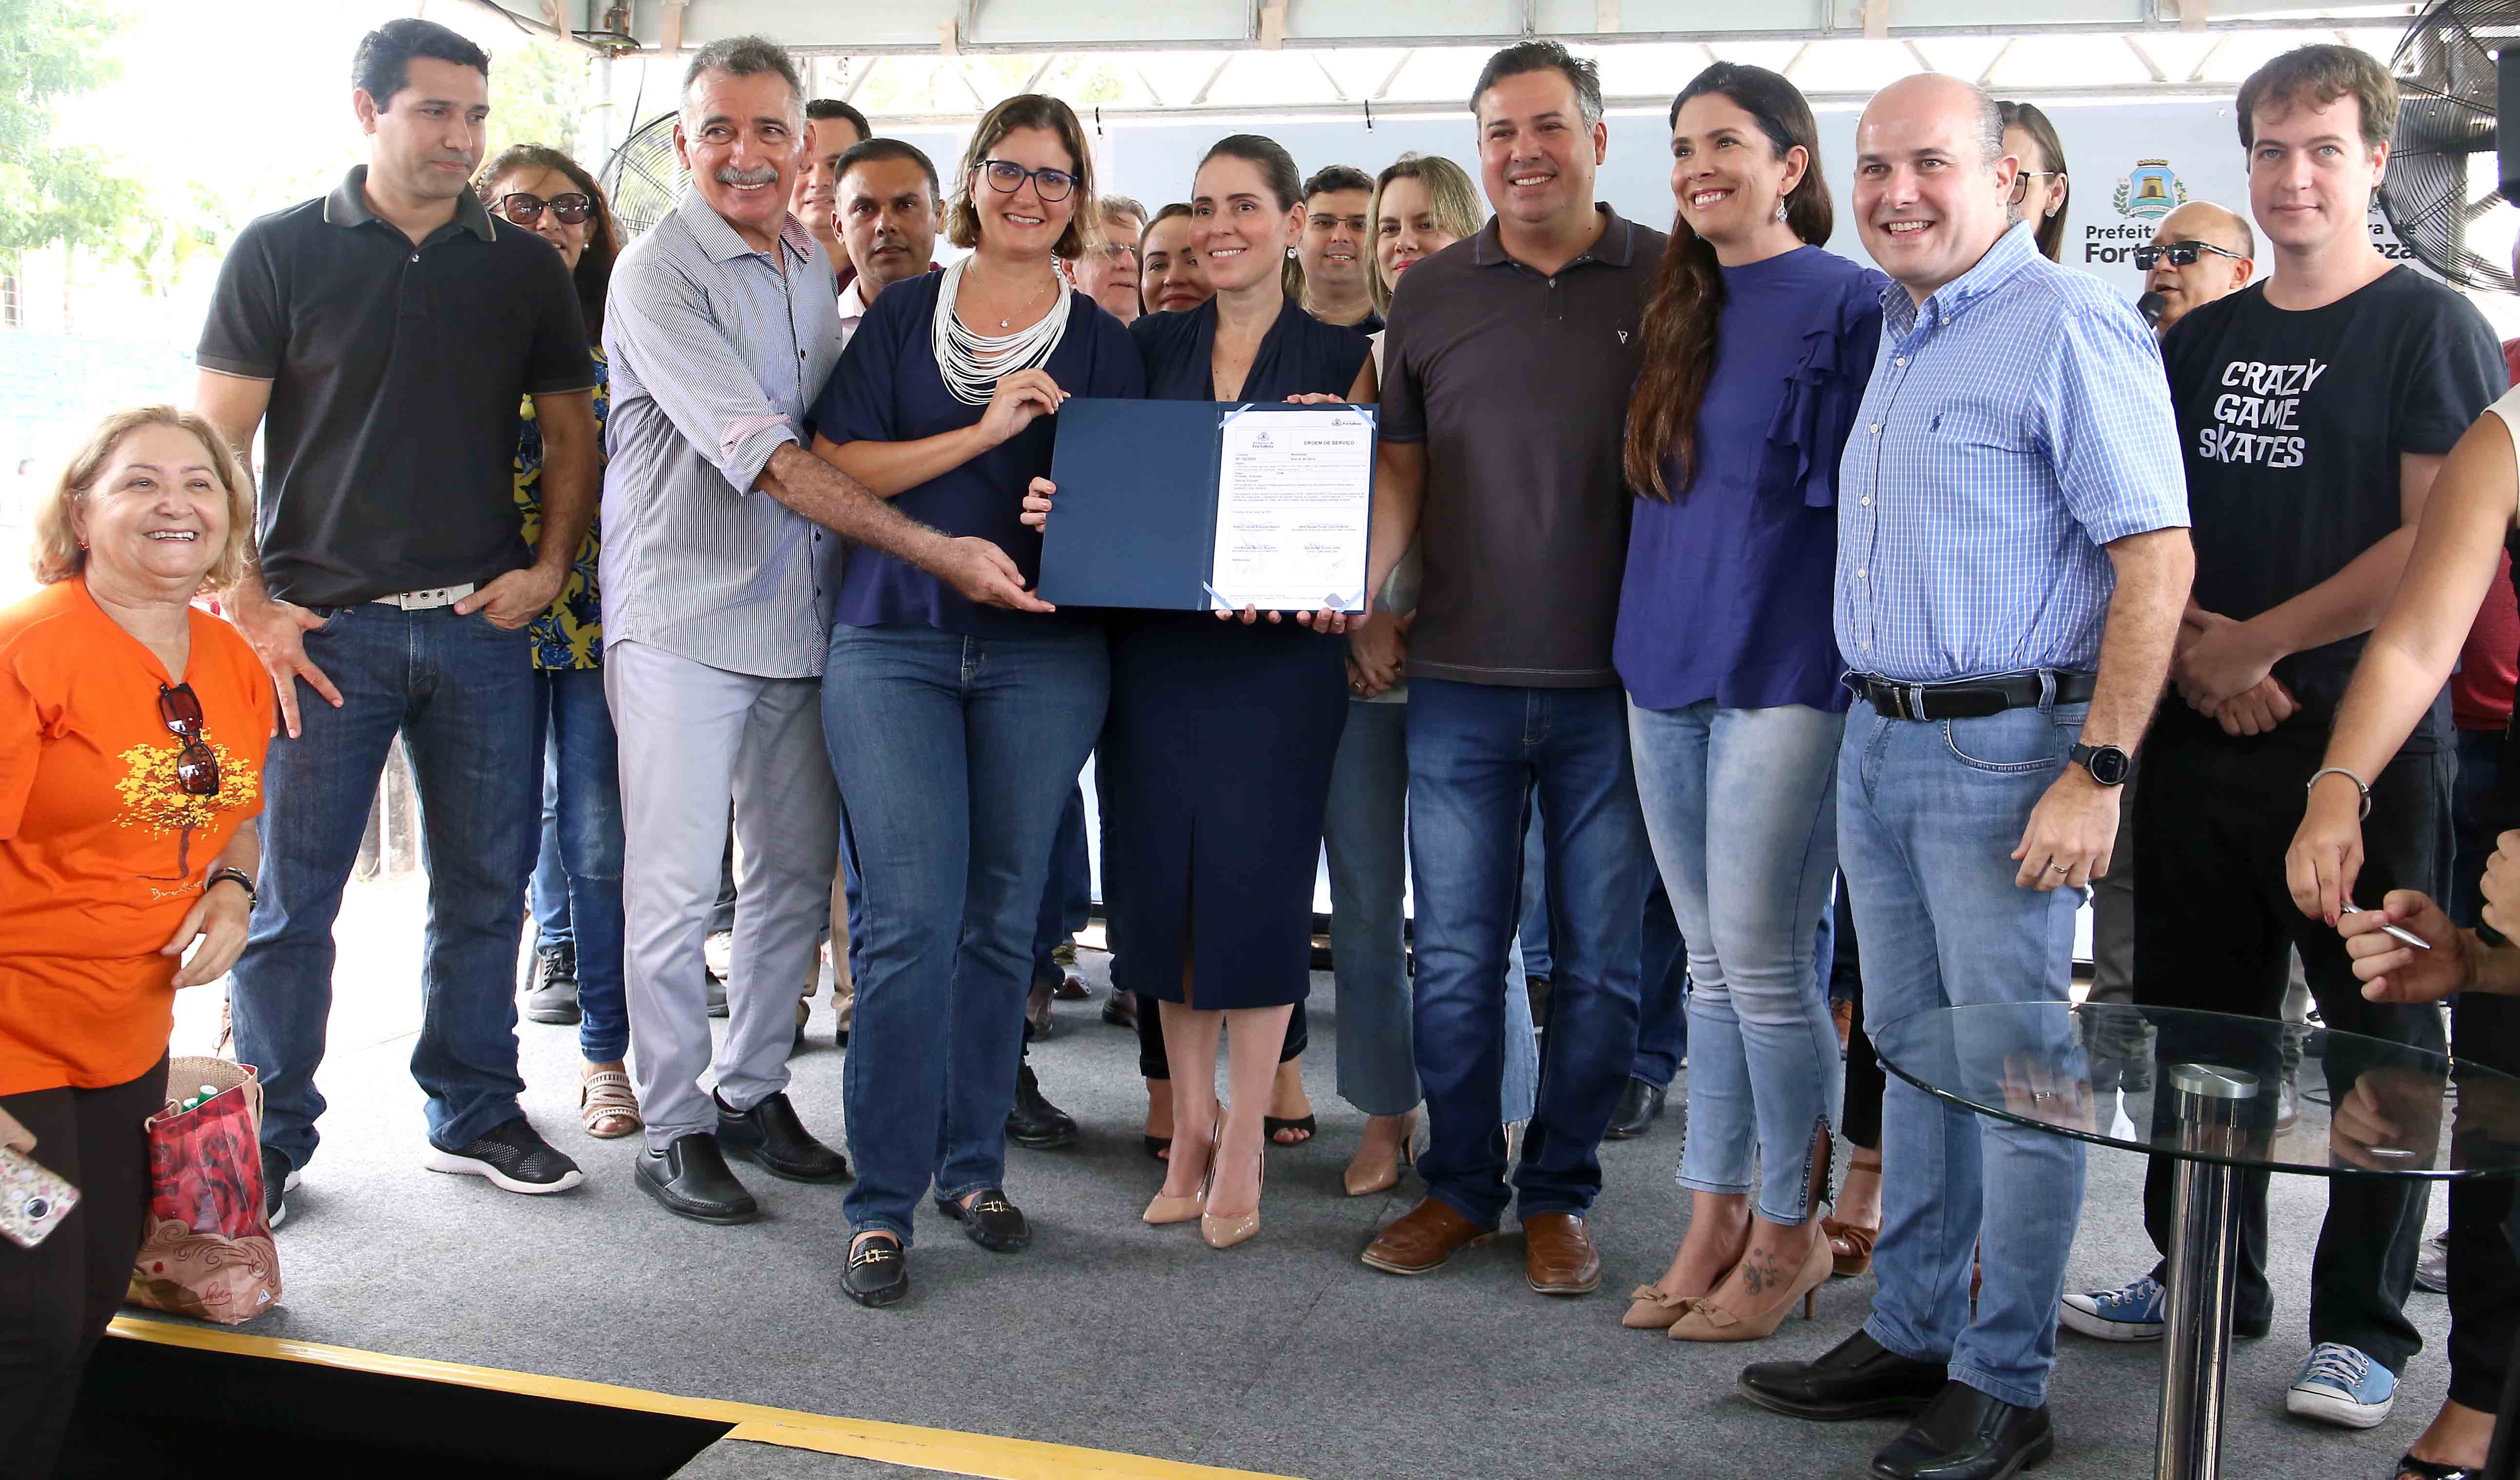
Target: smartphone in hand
[(34, 1198)]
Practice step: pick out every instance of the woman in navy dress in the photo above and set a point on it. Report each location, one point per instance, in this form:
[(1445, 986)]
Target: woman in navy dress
[(1218, 747)]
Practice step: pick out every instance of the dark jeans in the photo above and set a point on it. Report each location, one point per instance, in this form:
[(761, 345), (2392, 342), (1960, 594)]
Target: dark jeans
[(57, 1298), (1476, 754), (1662, 994), (1068, 899), (576, 889), (2211, 927), (954, 756), (1531, 914), (460, 694)]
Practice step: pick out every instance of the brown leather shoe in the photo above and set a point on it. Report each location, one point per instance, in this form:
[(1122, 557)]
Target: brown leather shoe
[(1424, 1237), (1557, 1255)]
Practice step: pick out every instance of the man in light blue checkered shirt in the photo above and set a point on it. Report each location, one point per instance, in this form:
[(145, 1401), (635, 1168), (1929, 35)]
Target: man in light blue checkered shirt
[(2012, 561)]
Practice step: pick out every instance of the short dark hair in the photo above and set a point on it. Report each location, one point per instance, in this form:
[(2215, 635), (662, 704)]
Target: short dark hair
[(1544, 57), (743, 57), (1337, 177), (2317, 76), (891, 148), (381, 67), (825, 110)]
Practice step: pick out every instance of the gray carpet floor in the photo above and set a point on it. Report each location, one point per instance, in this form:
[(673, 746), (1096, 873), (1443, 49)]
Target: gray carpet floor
[(1284, 1355)]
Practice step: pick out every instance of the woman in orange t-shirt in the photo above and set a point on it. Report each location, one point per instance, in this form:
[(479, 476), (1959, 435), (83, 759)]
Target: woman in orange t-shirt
[(132, 728)]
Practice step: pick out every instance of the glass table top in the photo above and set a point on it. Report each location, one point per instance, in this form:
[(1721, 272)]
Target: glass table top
[(2248, 1092)]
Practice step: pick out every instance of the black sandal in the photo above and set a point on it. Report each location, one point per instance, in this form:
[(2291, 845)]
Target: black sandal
[(2433, 1469), (1271, 1125), (879, 1270)]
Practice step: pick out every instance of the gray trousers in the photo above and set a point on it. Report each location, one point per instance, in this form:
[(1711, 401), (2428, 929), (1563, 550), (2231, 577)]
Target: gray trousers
[(693, 739)]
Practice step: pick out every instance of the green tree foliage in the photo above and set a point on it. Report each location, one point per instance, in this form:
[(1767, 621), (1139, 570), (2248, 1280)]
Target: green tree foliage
[(540, 92), (49, 192)]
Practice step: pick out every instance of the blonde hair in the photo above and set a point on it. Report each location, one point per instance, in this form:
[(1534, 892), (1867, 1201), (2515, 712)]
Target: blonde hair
[(1451, 198), (59, 555), (1027, 111)]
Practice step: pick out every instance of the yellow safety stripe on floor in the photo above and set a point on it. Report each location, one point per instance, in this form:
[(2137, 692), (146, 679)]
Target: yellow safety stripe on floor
[(946, 1451)]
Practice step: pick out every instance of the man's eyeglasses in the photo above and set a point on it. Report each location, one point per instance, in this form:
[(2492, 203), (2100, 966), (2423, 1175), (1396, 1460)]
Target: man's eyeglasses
[(1006, 177), (196, 770), (569, 210), (2180, 254)]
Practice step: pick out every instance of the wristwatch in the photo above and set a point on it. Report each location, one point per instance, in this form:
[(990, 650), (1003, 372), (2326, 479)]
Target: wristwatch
[(2108, 765), (236, 876)]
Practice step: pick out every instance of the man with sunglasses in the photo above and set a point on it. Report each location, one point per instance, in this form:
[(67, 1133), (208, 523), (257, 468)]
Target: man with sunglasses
[(2200, 252)]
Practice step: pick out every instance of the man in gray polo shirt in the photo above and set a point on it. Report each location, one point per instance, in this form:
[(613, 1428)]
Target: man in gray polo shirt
[(721, 532), (1506, 371)]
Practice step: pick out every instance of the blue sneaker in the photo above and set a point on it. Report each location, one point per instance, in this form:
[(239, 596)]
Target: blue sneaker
[(2341, 1385), (2133, 1314)]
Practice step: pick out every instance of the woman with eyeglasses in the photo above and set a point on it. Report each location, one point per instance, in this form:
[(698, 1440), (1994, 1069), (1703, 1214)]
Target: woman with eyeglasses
[(576, 890), (2041, 192), (132, 727), (957, 731)]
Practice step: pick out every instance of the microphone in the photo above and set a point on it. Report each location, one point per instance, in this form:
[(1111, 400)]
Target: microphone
[(2150, 306)]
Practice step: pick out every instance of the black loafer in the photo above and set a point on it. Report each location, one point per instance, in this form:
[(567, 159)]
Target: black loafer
[(1639, 1106), (1964, 1434), (879, 1270), (1857, 1379), (991, 1222), (691, 1180), (773, 1139), (1035, 1122)]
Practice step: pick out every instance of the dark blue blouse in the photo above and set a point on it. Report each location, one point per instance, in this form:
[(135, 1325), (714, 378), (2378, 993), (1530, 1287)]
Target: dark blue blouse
[(1299, 356), (1729, 585), (887, 389)]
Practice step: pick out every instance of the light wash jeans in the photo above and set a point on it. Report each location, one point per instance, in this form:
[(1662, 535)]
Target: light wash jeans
[(1743, 808), (1928, 813)]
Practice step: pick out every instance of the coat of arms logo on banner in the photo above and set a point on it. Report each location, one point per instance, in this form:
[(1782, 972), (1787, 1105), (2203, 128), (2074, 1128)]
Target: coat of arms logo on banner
[(2149, 190)]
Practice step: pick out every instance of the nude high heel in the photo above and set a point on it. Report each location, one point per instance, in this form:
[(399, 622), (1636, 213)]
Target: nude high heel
[(1226, 1232), (1706, 1322), (1385, 1177), (1168, 1210)]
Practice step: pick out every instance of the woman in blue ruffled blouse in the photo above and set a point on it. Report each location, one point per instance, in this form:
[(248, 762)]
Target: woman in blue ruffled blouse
[(1757, 345)]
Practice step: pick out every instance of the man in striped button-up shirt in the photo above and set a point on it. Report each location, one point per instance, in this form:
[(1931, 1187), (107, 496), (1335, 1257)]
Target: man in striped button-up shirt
[(720, 536), (2012, 559)]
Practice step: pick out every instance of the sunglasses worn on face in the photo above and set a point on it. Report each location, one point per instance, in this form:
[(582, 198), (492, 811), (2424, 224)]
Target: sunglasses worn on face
[(568, 209), (2180, 254), (196, 770), (1006, 177)]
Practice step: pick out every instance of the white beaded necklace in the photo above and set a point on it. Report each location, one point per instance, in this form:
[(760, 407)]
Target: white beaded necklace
[(972, 363)]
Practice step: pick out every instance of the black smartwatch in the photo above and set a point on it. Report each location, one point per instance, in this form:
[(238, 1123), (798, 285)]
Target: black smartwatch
[(2108, 765)]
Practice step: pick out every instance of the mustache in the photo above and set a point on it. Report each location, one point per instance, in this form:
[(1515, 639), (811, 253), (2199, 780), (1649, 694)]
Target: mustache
[(728, 174)]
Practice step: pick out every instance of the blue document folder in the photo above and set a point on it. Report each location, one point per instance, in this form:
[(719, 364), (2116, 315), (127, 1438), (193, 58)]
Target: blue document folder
[(1135, 519)]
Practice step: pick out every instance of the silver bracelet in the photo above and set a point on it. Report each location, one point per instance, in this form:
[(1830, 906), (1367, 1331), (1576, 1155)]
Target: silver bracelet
[(2360, 784)]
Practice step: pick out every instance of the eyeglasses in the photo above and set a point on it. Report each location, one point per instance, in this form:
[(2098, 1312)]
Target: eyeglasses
[(196, 770), (1006, 177), (2180, 254), (2021, 182), (568, 209)]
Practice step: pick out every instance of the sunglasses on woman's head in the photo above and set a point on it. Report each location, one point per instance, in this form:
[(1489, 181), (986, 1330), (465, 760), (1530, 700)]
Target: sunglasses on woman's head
[(196, 770), (569, 210), (2180, 254)]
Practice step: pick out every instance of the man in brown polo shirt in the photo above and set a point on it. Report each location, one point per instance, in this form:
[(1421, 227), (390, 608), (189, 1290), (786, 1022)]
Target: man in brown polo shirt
[(1506, 377)]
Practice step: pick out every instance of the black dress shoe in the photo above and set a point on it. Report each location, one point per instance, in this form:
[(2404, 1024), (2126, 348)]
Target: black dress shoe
[(1964, 1434), (1639, 1106), (991, 1222), (691, 1180), (879, 1270), (1034, 1121), (1857, 1379), (773, 1139)]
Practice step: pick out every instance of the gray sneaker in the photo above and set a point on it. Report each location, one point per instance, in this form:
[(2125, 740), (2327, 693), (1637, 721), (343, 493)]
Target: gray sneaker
[(551, 993)]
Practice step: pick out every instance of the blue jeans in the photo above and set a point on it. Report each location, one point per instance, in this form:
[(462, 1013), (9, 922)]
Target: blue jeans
[(1742, 806), (2480, 761), (1531, 919), (1067, 895), (1365, 832), (954, 756), (577, 881), (1662, 992), (1928, 813), (1476, 754), (459, 692)]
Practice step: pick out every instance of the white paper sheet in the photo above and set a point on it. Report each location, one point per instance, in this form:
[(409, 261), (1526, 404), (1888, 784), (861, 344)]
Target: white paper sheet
[(1294, 509)]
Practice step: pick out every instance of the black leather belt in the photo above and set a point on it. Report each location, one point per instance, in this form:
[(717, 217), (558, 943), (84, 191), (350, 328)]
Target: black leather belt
[(1972, 699)]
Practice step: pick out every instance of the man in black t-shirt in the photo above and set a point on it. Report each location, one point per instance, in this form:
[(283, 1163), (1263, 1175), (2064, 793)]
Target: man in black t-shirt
[(2315, 409), (389, 331)]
